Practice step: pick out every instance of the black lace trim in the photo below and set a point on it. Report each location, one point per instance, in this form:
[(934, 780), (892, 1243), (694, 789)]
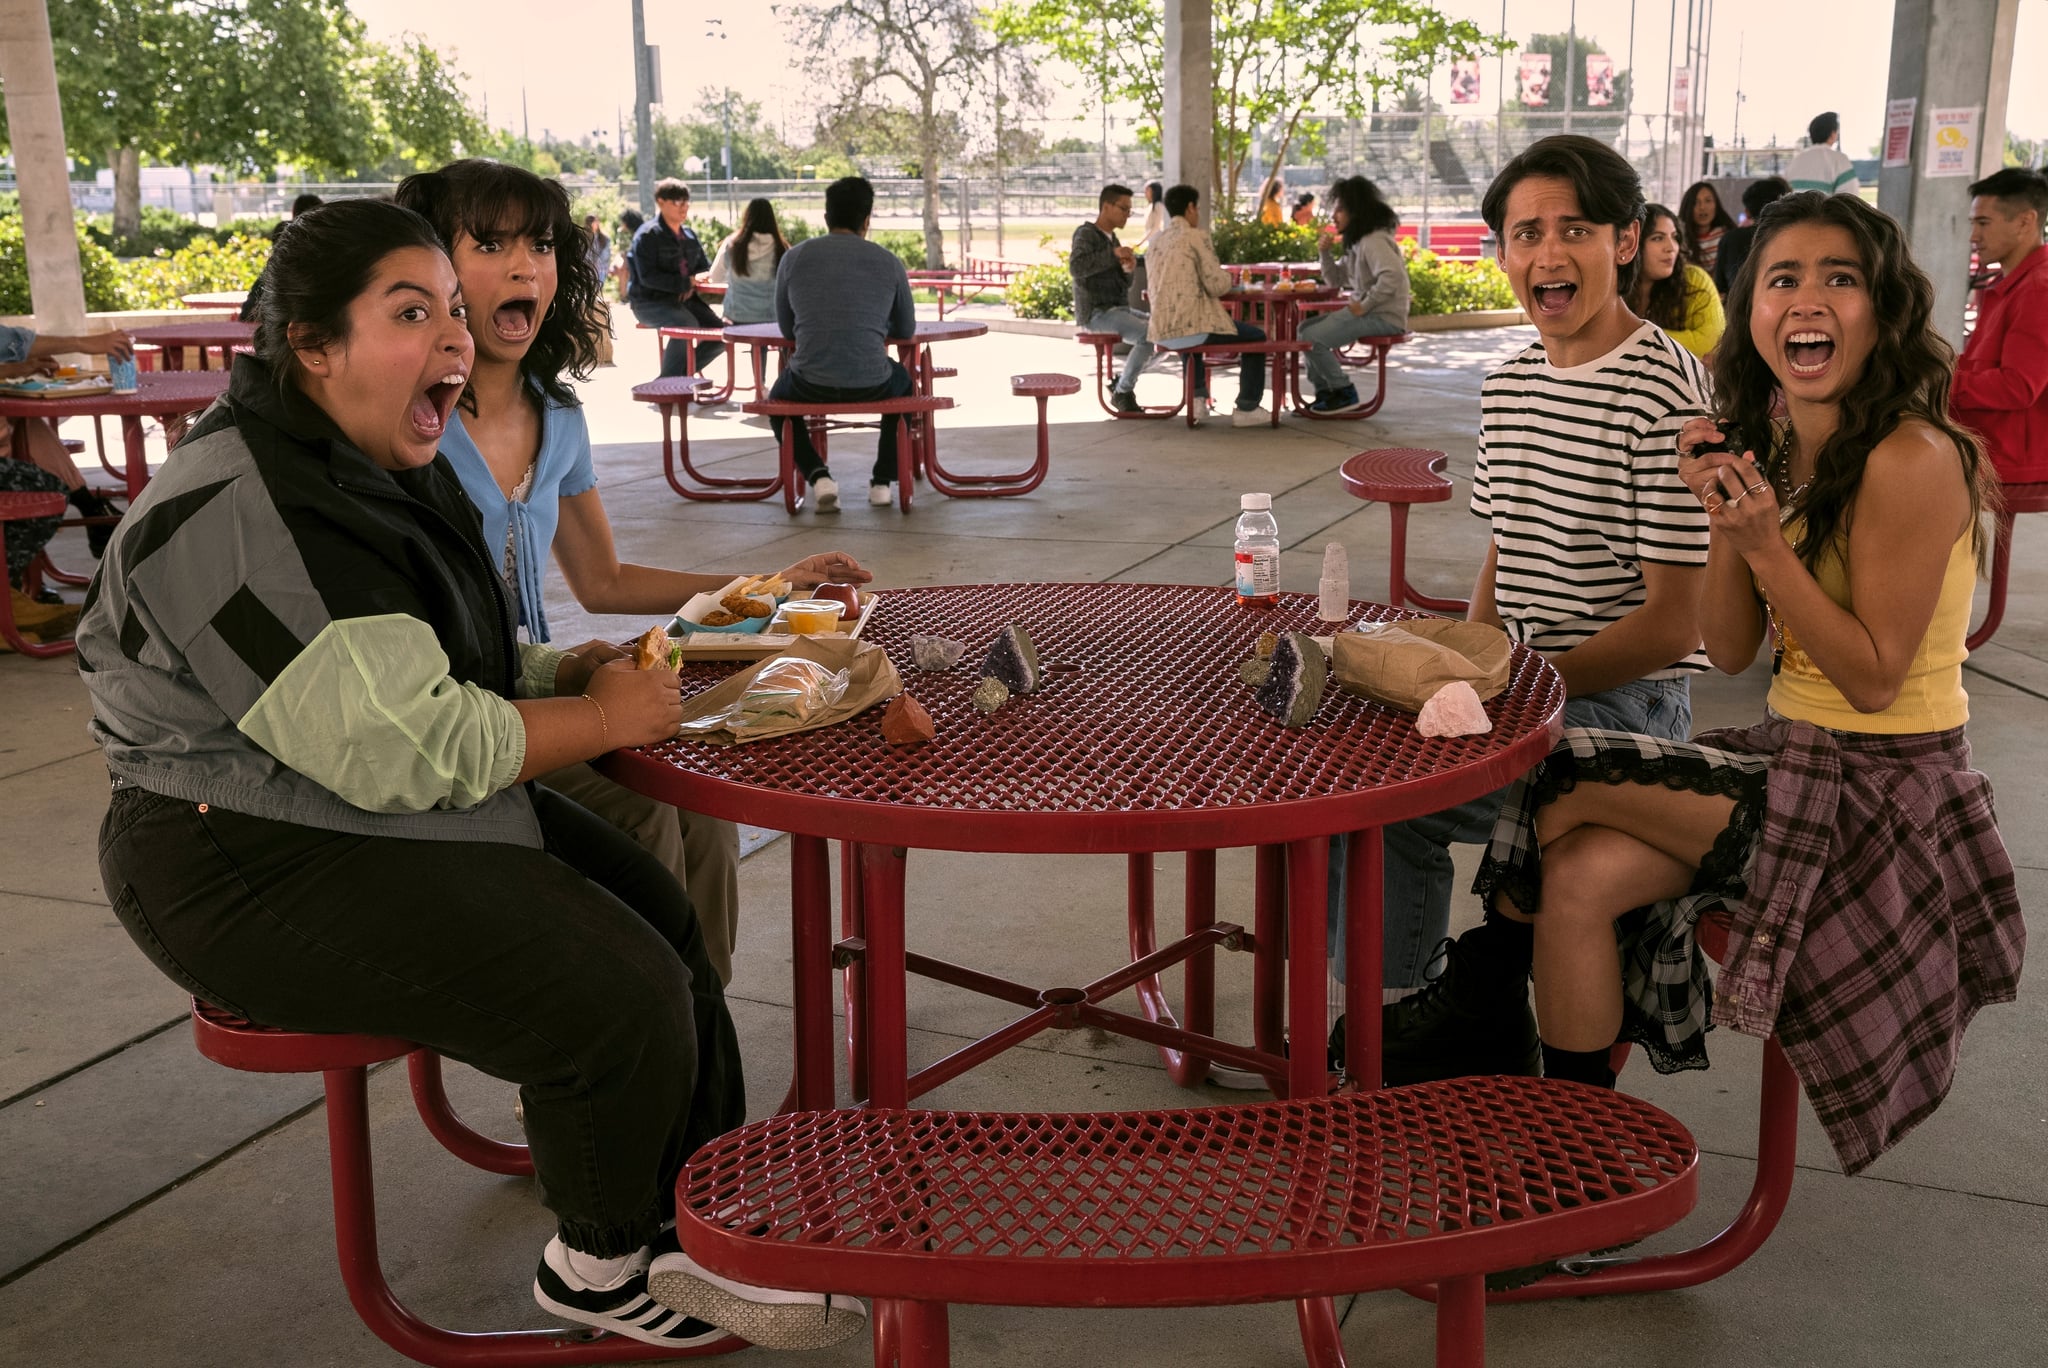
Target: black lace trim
[(1646, 1035), (1563, 770)]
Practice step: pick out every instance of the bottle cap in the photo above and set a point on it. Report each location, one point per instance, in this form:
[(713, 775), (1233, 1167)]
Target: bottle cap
[(1255, 503)]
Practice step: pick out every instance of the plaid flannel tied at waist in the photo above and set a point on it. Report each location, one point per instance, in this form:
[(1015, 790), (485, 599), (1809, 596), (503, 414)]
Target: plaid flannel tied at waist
[(1882, 914)]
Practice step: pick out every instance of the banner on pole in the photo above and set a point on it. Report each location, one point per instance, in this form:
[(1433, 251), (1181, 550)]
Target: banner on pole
[(1535, 79), (1599, 80), (1465, 81), (1952, 142), (1681, 90), (1898, 131)]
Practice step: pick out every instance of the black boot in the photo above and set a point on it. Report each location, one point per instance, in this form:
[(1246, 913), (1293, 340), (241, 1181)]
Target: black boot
[(1473, 1018), (92, 505)]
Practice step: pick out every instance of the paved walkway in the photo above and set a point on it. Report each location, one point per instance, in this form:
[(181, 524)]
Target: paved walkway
[(157, 1209)]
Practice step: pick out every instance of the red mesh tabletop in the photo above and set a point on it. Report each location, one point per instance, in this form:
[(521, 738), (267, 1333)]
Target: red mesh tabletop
[(1141, 738), (158, 393), (1310, 1198)]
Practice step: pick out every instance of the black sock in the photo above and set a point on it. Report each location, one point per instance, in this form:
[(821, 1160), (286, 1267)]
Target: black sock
[(1510, 944), (1578, 1066)]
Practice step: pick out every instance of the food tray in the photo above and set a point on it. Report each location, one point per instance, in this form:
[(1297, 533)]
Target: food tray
[(80, 388), (714, 645)]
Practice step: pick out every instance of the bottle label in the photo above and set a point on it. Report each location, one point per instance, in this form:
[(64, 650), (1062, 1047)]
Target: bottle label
[(1258, 572)]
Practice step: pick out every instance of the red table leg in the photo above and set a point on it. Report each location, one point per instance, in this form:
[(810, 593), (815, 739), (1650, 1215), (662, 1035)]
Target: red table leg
[(853, 925), (1308, 913), (1269, 962), (882, 870), (138, 455), (1364, 955), (810, 910)]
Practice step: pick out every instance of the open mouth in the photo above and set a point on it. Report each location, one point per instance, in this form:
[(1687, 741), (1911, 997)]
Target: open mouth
[(513, 320), (1552, 300), (1808, 353), (430, 410)]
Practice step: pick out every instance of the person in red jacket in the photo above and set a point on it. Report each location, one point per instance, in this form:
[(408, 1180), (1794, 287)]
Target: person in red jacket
[(2001, 385)]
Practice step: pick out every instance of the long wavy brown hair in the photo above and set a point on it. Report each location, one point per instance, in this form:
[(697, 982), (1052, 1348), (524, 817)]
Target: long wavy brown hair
[(1907, 376)]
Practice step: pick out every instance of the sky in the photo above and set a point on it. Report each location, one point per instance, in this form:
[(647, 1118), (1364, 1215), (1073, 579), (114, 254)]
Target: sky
[(1793, 59)]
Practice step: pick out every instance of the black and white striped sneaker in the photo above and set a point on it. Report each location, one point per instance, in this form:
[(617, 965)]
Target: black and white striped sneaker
[(624, 1308), (770, 1317)]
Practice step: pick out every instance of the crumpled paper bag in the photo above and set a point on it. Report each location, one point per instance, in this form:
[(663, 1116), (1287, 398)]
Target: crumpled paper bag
[(1402, 664), (871, 680)]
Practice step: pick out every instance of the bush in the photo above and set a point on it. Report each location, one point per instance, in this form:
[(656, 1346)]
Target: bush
[(1437, 286), (105, 289), (162, 231), (1243, 242), (160, 281), (1045, 291), (906, 244)]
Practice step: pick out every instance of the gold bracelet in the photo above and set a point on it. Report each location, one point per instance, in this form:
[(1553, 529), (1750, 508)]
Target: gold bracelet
[(604, 731)]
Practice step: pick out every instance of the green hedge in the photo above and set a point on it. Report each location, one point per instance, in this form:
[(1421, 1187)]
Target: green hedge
[(1437, 286), (1045, 291), (160, 281), (106, 288), (1240, 242)]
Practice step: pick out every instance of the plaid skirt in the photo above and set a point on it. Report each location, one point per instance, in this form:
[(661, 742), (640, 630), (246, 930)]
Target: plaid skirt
[(1871, 904)]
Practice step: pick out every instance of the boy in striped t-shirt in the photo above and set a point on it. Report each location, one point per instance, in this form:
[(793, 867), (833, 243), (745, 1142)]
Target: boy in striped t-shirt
[(1596, 559)]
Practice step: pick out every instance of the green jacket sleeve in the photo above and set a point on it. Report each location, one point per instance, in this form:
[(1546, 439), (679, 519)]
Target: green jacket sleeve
[(368, 710), (537, 666)]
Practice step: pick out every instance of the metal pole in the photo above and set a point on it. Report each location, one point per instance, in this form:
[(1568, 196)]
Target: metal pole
[(1500, 99), (999, 152), (1628, 103), (1571, 48), (1422, 232), (643, 118), (1670, 70)]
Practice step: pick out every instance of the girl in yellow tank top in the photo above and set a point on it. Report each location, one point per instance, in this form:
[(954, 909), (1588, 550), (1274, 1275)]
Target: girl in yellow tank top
[(1852, 532)]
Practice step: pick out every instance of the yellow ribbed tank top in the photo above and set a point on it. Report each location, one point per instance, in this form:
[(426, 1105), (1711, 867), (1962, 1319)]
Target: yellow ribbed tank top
[(1932, 697)]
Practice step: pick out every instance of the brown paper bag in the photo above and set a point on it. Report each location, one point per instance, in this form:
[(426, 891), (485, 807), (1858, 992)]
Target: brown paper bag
[(872, 679), (1402, 664)]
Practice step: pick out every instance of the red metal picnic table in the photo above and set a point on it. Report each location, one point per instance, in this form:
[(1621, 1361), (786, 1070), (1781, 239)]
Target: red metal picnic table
[(1280, 306), (166, 396), (1141, 740), (207, 333), (914, 351)]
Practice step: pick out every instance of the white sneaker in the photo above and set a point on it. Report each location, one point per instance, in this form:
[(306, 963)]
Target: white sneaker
[(624, 1307), (1198, 411), (767, 1316), (1251, 417), (825, 495), (881, 495)]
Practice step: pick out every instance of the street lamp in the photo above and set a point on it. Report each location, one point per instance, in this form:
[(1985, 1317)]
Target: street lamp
[(715, 28)]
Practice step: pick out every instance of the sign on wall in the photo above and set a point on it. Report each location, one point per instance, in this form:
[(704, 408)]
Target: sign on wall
[(1952, 142), (1599, 80), (1681, 90), (1535, 79), (1465, 81), (1898, 131)]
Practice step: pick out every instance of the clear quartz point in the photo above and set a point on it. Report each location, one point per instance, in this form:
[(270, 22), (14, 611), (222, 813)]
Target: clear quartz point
[(1335, 587)]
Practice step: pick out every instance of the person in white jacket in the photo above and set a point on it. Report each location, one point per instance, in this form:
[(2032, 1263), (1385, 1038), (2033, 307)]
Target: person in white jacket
[(1822, 165), (746, 265), (1372, 273)]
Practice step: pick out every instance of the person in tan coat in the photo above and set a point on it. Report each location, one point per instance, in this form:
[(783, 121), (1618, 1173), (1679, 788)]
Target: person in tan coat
[(1187, 286)]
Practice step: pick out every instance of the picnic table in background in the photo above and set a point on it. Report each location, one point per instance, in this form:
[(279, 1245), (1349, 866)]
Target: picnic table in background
[(230, 300), (170, 397), (209, 335)]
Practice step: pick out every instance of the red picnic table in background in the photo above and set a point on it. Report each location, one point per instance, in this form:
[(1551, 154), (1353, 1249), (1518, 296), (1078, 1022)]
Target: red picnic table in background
[(167, 396), (208, 334)]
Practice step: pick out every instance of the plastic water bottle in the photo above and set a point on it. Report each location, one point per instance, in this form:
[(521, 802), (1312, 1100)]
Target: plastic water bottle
[(1258, 552)]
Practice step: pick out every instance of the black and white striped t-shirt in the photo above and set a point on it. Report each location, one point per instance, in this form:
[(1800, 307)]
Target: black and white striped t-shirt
[(1578, 477)]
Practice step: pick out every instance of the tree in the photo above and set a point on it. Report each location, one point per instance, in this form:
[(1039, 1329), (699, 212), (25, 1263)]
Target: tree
[(1278, 62), (879, 56), (246, 84), (757, 151)]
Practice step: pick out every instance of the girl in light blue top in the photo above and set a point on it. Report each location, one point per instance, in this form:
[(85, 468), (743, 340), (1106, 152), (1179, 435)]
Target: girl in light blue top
[(519, 443)]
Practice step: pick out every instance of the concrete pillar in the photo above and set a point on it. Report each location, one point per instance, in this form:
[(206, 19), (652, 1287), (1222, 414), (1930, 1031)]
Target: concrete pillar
[(1188, 117), (35, 121), (1946, 54)]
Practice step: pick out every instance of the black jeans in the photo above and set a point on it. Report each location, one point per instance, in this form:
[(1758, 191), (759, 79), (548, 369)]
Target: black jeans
[(681, 313), (577, 972), (793, 387), (1251, 367)]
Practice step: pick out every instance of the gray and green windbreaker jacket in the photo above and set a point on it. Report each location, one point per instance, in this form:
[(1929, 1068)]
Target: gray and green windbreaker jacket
[(286, 630)]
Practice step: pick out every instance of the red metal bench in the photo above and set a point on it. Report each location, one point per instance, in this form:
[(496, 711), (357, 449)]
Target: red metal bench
[(1212, 352), (2019, 498), (343, 1061), (672, 395), (1281, 1201), (940, 283), (1040, 387), (915, 440), (1397, 477), (1106, 372)]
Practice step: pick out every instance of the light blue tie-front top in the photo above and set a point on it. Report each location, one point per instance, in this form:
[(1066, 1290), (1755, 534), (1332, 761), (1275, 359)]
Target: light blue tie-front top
[(563, 469)]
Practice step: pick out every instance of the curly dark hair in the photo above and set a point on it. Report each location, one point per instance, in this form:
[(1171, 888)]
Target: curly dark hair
[(1907, 376), (1364, 210), (485, 198), (1723, 220), (1660, 301)]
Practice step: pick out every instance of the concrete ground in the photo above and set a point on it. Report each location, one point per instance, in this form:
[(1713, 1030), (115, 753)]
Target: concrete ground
[(158, 1209)]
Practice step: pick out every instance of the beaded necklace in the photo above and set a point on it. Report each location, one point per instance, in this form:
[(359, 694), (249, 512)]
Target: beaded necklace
[(1779, 473)]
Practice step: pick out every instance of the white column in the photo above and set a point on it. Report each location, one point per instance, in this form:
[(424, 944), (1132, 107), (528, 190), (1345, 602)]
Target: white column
[(1188, 116), (35, 121), (1946, 54)]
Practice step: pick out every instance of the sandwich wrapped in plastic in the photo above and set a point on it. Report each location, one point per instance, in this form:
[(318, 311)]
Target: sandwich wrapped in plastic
[(786, 693)]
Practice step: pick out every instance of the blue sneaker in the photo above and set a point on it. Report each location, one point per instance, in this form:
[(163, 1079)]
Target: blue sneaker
[(1338, 401)]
